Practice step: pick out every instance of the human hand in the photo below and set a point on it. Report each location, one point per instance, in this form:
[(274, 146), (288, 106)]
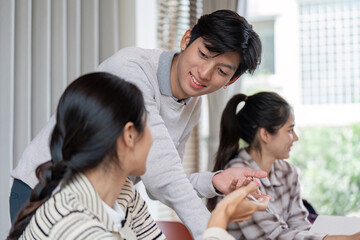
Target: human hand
[(233, 178), (236, 207), (355, 236)]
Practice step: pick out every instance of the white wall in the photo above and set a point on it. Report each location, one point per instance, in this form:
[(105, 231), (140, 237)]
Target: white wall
[(286, 43)]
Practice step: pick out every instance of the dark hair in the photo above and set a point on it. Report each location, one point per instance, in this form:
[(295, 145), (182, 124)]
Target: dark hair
[(91, 115), (265, 110), (227, 31)]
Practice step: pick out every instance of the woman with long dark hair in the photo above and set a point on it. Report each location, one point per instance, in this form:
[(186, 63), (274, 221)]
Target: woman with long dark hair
[(266, 124), (101, 137)]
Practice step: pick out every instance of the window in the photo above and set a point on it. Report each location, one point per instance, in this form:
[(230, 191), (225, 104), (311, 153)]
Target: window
[(330, 47), (265, 29), (174, 18)]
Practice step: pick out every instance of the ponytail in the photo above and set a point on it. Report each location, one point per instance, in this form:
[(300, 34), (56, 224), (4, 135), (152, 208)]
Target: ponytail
[(50, 174), (230, 134)]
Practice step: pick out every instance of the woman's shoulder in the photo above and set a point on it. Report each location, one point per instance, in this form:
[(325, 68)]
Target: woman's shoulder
[(236, 162), (284, 163), (61, 204), (65, 203), (243, 159), (285, 166), (78, 225), (61, 215)]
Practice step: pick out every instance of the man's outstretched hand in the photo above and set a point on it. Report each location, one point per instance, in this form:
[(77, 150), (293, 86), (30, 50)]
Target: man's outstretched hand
[(234, 178)]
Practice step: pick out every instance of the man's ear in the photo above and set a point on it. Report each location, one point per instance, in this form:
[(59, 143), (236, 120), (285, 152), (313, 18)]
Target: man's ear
[(264, 135), (185, 39), (129, 134)]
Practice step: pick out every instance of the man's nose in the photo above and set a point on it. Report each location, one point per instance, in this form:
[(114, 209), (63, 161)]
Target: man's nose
[(205, 70)]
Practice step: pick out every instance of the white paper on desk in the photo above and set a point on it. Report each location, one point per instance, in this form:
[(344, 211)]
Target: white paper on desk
[(336, 225)]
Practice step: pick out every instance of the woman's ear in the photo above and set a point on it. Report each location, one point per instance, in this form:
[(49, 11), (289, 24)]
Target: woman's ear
[(264, 135), (129, 135), (185, 39)]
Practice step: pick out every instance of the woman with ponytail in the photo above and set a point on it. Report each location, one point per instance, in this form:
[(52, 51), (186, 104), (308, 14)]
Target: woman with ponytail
[(266, 124), (100, 138)]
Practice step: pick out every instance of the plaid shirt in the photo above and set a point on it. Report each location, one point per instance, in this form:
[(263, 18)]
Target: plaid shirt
[(288, 217)]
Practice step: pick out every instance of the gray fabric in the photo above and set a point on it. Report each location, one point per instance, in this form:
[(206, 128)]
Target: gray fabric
[(163, 74)]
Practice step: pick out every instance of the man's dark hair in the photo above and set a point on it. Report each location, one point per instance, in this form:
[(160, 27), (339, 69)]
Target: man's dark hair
[(227, 31)]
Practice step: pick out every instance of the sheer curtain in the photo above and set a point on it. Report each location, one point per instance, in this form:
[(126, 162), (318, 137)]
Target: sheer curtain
[(44, 45)]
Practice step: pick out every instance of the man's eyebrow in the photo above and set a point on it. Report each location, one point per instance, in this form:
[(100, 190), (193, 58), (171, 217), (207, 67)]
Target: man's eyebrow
[(228, 66)]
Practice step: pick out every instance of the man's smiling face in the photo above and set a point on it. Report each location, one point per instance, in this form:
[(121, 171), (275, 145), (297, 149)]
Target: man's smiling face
[(197, 71)]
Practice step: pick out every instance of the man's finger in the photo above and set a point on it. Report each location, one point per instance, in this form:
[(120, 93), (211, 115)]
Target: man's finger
[(244, 183), (234, 183), (255, 173), (243, 191)]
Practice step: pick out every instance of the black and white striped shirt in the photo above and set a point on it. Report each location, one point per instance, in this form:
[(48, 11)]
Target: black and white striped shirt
[(76, 212)]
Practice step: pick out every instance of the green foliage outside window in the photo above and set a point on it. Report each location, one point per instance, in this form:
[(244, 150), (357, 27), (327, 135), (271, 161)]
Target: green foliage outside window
[(329, 163)]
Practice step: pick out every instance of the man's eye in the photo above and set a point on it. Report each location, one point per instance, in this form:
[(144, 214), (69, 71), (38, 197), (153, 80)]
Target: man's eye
[(202, 54), (222, 72)]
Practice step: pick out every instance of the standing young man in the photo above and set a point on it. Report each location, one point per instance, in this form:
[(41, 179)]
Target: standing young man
[(214, 53)]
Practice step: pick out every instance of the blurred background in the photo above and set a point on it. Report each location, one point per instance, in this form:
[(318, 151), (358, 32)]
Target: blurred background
[(311, 56)]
